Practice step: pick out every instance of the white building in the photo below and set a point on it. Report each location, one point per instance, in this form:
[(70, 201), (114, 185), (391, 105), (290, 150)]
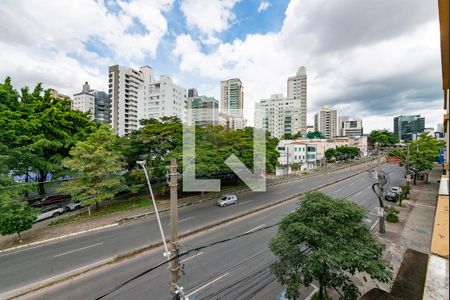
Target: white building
[(326, 121), (232, 103), (161, 98), (295, 152), (123, 89), (297, 91), (276, 115), (350, 127), (84, 101)]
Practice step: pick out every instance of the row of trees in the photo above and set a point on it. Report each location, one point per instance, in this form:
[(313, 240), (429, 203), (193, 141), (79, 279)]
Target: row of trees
[(342, 153), (42, 135)]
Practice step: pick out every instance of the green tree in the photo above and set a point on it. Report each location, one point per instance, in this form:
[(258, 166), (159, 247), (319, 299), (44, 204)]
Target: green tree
[(315, 135), (330, 153), (97, 163), (383, 138), (15, 216), (290, 136), (326, 240), (38, 130)]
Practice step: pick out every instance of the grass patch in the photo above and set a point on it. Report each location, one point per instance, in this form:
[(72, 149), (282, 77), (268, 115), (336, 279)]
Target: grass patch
[(113, 207)]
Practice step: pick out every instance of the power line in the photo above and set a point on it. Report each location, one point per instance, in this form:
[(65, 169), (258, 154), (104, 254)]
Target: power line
[(181, 255)]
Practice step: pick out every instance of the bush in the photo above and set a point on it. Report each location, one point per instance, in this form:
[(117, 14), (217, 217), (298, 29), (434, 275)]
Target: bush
[(316, 296), (391, 214)]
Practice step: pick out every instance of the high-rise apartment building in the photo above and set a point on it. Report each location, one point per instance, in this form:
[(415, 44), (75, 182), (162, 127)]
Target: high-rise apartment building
[(326, 121), (96, 103), (232, 103), (161, 98), (202, 110), (276, 115), (408, 127), (349, 127), (297, 91), (84, 101), (123, 89), (192, 93)]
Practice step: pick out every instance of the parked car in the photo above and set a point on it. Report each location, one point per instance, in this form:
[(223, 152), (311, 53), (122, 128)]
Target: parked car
[(227, 200), (49, 212), (75, 205), (390, 196), (51, 200), (397, 190)]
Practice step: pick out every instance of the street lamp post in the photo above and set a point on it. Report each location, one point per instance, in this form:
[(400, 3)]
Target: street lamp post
[(143, 163)]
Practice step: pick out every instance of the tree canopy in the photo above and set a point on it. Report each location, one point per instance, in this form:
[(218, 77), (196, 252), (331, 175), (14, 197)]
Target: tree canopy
[(383, 138), (315, 135), (38, 130), (326, 240), (97, 163)]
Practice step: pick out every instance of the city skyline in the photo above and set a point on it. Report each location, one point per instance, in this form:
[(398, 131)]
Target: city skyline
[(358, 73)]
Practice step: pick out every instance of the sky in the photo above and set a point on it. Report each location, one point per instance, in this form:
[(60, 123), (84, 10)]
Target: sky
[(372, 59)]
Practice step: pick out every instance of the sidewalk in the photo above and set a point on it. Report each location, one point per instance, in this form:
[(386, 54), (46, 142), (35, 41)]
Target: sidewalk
[(41, 231), (408, 245)]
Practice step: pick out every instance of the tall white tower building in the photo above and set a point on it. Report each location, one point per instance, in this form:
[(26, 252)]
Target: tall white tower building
[(326, 121), (297, 91), (161, 98), (123, 89), (85, 100), (232, 103)]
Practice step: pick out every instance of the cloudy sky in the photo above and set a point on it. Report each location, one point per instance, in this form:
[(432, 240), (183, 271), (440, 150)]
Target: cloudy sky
[(372, 59)]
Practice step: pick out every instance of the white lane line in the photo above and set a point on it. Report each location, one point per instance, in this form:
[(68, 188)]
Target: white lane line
[(338, 190), (207, 284), (87, 247), (257, 227), (183, 220), (359, 193), (185, 260), (239, 203)]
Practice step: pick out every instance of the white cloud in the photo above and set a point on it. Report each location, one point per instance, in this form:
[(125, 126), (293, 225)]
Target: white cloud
[(209, 17), (46, 35), (373, 78), (263, 6)]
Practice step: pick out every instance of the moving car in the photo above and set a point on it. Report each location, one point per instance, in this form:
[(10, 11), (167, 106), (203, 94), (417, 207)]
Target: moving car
[(390, 196), (49, 212), (227, 200), (397, 190), (75, 205)]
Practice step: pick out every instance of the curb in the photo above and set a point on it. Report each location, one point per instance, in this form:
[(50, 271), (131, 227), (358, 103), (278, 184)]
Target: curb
[(58, 238), (64, 276)]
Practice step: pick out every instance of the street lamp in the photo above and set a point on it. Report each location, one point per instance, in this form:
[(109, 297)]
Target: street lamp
[(143, 163)]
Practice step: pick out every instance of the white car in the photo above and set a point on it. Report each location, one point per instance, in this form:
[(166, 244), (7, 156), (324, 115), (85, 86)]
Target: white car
[(49, 212), (397, 190), (75, 205), (227, 200)]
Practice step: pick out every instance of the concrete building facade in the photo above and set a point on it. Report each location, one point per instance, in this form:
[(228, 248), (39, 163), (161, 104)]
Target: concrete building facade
[(96, 103), (297, 92), (202, 110), (123, 86), (232, 103), (161, 98), (326, 121), (350, 127)]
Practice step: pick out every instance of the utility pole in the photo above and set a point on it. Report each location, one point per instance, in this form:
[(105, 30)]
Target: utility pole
[(174, 264), (381, 181)]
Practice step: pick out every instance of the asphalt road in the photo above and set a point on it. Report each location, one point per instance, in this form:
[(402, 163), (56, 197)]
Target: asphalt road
[(237, 269)]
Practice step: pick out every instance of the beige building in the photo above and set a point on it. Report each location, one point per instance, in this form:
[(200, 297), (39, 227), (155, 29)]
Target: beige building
[(326, 121)]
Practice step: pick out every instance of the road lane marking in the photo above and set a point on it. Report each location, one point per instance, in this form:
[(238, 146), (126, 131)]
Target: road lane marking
[(186, 219), (338, 190), (185, 260), (359, 193), (207, 284), (239, 203), (79, 249), (257, 227)]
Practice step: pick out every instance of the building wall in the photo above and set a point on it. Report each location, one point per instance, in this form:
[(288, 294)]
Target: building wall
[(203, 110), (297, 91), (160, 98), (232, 102), (406, 127), (326, 121)]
